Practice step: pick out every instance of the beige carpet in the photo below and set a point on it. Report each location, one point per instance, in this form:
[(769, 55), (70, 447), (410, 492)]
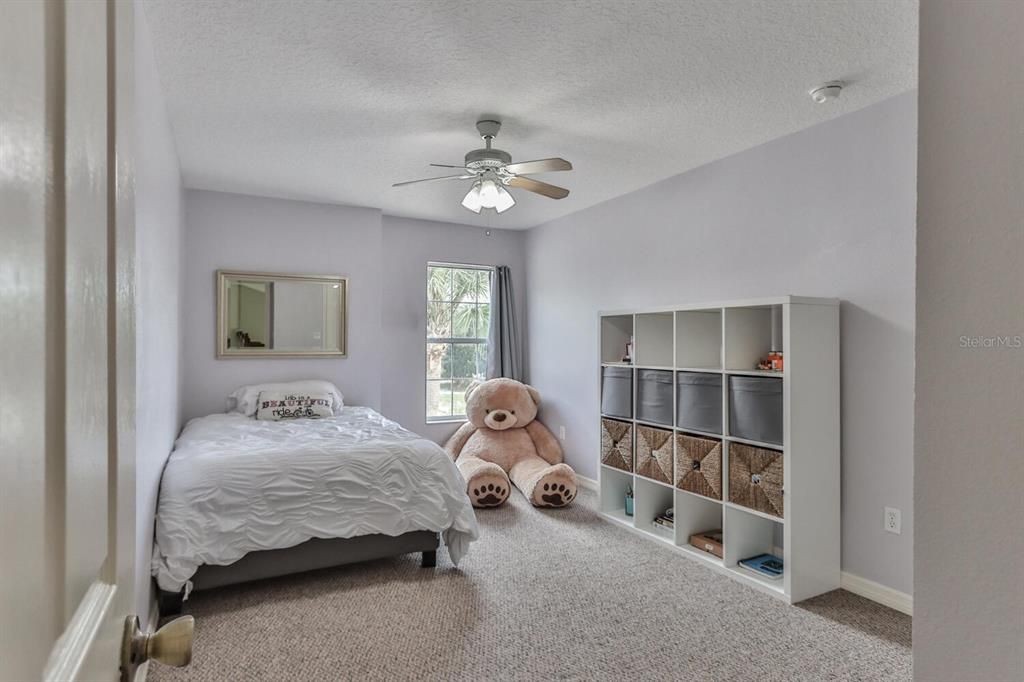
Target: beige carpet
[(543, 595)]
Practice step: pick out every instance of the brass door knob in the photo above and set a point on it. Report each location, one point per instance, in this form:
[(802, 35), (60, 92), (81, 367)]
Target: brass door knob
[(170, 645)]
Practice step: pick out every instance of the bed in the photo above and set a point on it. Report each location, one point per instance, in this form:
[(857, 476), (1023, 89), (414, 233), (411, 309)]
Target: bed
[(243, 499)]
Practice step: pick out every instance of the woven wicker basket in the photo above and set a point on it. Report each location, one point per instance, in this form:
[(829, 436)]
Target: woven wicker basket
[(617, 444), (699, 465), (654, 453), (755, 478)]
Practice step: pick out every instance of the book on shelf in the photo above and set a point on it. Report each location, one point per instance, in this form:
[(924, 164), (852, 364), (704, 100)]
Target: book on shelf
[(665, 521), (767, 565)]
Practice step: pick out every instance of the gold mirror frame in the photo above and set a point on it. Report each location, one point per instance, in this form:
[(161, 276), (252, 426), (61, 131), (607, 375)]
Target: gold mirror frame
[(221, 326)]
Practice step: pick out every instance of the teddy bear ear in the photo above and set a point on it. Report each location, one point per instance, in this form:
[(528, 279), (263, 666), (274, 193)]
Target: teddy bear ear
[(534, 393), (472, 387)]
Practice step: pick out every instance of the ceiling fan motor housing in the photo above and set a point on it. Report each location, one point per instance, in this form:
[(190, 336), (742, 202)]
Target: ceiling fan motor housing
[(482, 159)]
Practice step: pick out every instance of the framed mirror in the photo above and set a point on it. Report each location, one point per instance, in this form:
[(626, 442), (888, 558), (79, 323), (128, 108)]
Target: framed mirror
[(263, 314)]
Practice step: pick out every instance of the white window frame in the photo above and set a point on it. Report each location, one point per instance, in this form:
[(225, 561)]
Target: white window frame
[(450, 340)]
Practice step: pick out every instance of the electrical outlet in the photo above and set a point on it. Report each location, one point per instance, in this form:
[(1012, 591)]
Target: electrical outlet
[(561, 432), (893, 522)]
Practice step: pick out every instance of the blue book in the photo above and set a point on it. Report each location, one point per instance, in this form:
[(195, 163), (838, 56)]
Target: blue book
[(767, 565)]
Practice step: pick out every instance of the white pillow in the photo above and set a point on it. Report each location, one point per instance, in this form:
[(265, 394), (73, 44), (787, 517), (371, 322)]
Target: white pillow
[(243, 400), (280, 405)]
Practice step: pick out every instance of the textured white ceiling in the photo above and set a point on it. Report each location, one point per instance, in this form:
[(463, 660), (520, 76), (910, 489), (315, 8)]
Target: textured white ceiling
[(335, 101)]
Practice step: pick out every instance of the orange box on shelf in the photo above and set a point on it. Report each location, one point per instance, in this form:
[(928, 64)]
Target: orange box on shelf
[(709, 541)]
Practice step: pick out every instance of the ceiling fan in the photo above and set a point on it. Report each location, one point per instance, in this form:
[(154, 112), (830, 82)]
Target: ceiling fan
[(492, 171)]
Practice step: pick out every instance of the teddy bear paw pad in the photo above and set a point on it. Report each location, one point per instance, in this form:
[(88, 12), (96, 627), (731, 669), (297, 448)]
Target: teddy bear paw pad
[(488, 495), (556, 495)]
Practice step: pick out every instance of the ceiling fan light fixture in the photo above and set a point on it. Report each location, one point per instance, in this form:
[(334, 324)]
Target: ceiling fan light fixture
[(472, 199), (504, 201), (488, 193)]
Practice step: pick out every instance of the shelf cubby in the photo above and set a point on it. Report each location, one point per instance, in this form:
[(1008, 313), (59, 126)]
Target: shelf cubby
[(696, 514), (651, 499), (654, 340), (655, 397), (614, 484), (699, 405), (699, 339), (727, 340), (617, 391), (748, 534), (616, 331), (748, 335)]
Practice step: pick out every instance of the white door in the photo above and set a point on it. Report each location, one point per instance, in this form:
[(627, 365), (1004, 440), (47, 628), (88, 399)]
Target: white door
[(67, 458)]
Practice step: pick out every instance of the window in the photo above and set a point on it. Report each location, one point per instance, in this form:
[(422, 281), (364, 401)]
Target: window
[(458, 315)]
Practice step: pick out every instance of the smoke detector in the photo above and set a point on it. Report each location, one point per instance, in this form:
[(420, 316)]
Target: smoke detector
[(827, 92)]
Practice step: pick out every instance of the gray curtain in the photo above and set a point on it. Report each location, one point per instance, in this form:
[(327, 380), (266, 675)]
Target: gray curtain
[(504, 355)]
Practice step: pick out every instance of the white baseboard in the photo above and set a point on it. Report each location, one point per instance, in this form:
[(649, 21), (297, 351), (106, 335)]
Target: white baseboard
[(886, 596), (584, 482)]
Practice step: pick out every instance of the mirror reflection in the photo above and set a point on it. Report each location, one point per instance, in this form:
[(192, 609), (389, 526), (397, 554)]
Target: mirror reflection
[(281, 314)]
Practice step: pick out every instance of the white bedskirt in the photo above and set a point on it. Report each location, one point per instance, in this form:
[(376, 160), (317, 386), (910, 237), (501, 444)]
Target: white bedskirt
[(234, 485)]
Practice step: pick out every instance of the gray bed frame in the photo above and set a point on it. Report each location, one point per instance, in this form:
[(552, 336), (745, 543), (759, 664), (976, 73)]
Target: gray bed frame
[(307, 556)]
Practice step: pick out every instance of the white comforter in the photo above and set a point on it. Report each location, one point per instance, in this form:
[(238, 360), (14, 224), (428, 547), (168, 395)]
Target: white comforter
[(234, 485)]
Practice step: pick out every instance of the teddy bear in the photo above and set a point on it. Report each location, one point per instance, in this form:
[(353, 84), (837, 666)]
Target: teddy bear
[(503, 440)]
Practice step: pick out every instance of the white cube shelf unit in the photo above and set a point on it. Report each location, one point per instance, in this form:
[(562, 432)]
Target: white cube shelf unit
[(727, 340)]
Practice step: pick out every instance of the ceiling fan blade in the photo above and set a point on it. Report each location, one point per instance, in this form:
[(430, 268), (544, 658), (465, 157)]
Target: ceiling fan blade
[(539, 166), (531, 185), (445, 165), (443, 177)]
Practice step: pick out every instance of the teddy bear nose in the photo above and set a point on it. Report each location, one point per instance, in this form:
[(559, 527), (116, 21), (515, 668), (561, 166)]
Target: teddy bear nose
[(499, 416)]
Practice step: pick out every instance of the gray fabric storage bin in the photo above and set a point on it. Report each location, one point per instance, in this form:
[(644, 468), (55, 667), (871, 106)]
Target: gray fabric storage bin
[(654, 396), (699, 401), (755, 408), (617, 392)]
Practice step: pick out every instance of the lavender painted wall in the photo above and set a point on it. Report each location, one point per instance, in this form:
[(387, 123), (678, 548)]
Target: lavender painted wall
[(828, 211), (158, 243), (386, 261), (234, 231), (409, 245), (969, 604)]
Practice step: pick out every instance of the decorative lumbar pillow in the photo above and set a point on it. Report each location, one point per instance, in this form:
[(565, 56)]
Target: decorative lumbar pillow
[(244, 399), (278, 405)]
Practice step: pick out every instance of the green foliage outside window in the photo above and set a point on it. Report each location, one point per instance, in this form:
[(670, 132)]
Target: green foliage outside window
[(458, 316)]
